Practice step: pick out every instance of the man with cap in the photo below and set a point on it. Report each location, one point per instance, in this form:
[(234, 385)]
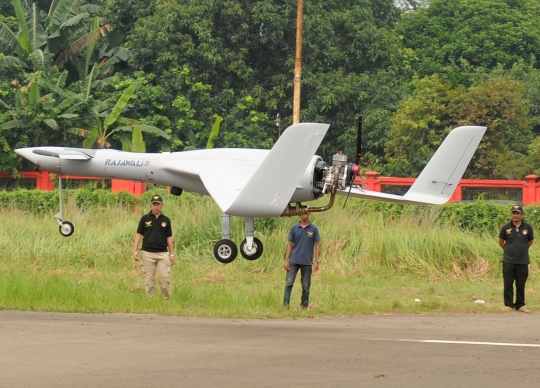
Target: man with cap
[(515, 238), (156, 232)]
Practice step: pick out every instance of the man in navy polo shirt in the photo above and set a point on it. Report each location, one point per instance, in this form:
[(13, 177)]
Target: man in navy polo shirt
[(515, 238), (155, 230), (303, 242)]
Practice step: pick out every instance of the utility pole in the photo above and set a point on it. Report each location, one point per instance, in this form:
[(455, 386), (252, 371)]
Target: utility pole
[(298, 62)]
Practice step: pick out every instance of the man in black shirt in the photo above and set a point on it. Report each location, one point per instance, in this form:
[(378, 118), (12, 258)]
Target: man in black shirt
[(156, 232), (515, 238)]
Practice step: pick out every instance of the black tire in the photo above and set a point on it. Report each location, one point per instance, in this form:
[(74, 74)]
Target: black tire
[(258, 249), (66, 229), (225, 251)]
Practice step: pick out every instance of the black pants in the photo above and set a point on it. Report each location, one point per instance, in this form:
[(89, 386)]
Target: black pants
[(518, 273)]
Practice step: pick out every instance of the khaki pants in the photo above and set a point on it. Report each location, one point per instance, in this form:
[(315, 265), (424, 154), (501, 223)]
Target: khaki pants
[(160, 261)]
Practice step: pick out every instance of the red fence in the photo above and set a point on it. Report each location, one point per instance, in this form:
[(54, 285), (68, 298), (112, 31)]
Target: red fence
[(44, 181), (524, 191)]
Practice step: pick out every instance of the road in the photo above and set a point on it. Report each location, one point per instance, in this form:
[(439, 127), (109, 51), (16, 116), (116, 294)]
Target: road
[(84, 350)]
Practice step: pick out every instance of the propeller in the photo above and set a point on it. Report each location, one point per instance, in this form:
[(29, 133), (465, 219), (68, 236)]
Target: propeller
[(354, 169)]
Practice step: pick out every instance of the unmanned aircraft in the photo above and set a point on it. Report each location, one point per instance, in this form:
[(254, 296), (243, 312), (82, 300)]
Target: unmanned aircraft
[(254, 183)]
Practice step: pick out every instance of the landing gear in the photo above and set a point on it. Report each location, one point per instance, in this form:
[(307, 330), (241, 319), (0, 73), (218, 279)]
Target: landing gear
[(252, 252), (66, 228), (225, 251)]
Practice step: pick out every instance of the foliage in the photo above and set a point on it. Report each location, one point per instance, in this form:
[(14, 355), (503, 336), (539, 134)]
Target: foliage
[(103, 120), (452, 36), (35, 201), (68, 28), (195, 60), (244, 50), (436, 107)]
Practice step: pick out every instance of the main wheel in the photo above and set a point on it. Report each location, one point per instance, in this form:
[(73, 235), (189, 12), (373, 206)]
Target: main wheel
[(255, 252), (225, 251), (66, 229)]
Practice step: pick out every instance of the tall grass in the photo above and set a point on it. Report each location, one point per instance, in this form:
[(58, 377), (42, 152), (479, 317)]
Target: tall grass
[(370, 264)]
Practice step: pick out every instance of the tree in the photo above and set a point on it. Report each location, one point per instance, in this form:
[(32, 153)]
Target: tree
[(70, 27), (103, 127), (245, 51), (455, 36), (33, 114), (436, 107)]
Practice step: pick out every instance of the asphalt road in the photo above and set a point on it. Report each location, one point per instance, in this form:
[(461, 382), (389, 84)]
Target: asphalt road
[(81, 350)]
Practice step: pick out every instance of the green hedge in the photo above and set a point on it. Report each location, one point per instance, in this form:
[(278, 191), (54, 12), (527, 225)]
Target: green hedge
[(44, 201), (481, 216)]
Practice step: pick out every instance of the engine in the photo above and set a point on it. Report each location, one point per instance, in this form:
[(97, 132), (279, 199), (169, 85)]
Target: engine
[(320, 178)]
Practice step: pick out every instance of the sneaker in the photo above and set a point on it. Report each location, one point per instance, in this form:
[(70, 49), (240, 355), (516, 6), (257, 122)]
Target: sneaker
[(508, 308), (523, 309)]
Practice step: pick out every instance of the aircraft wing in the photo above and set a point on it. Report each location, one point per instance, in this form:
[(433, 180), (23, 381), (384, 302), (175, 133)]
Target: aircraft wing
[(264, 188), (440, 178)]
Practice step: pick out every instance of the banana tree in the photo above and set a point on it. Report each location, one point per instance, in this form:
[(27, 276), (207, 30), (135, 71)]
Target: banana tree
[(104, 126), (70, 28)]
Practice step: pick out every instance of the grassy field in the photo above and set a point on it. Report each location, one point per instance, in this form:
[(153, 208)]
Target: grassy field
[(370, 265)]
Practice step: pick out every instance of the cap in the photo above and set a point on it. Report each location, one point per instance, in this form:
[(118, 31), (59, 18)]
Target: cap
[(517, 208), (156, 198)]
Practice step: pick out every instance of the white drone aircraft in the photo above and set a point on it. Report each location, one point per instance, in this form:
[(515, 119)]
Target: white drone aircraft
[(253, 183)]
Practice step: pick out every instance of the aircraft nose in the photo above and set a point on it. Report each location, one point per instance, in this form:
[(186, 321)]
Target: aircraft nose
[(41, 158), (27, 154)]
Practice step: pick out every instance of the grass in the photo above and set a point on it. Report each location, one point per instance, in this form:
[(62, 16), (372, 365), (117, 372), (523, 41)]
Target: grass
[(371, 265)]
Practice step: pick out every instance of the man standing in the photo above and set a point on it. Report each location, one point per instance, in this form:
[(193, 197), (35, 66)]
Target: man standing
[(515, 238), (156, 232), (303, 240)]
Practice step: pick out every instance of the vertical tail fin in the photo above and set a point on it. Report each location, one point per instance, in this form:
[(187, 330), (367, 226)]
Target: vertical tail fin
[(439, 179)]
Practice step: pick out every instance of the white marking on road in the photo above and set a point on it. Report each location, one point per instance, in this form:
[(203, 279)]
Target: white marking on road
[(457, 342)]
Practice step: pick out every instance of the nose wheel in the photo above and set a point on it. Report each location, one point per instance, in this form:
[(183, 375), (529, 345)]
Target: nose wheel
[(66, 228)]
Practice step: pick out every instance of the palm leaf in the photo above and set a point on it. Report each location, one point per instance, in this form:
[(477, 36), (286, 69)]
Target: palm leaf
[(126, 142), (24, 34), (9, 60), (9, 124), (89, 80), (9, 39), (33, 93), (62, 79), (4, 103), (39, 54), (120, 104), (90, 48), (90, 139), (143, 128), (51, 123), (75, 20), (61, 10), (117, 55), (68, 116), (92, 9), (81, 44), (36, 30), (215, 131), (67, 102), (137, 140)]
